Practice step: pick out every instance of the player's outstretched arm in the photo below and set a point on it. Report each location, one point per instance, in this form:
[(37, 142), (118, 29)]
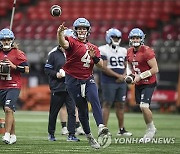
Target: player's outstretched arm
[(60, 37)]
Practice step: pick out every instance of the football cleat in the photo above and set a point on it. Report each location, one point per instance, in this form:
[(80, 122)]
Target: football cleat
[(72, 138), (148, 135), (6, 138), (103, 130), (94, 144), (123, 132), (51, 137), (79, 131), (13, 139), (64, 131)]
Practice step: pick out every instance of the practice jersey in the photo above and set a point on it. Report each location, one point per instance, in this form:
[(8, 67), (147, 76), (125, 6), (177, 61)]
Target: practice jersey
[(56, 60), (12, 80), (139, 63), (78, 62), (115, 61)]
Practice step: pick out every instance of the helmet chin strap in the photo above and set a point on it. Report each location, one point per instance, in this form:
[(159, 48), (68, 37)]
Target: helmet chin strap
[(115, 43)]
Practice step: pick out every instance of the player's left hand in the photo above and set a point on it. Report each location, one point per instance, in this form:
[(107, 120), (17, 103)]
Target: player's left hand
[(137, 78), (120, 78), (91, 51)]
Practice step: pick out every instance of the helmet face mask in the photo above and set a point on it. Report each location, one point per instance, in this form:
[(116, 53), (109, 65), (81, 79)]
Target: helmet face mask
[(113, 36), (82, 32), (81, 27), (115, 40), (6, 39), (6, 44), (135, 41), (136, 37)]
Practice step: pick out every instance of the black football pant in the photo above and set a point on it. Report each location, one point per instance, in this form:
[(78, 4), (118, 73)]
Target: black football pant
[(57, 101)]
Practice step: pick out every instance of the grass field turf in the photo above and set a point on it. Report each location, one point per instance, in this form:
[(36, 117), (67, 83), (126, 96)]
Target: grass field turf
[(31, 131)]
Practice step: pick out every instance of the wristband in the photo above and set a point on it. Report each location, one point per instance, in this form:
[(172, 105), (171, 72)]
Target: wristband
[(95, 59), (20, 69), (145, 74)]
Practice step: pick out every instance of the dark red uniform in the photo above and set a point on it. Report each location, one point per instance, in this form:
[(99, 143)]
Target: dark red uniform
[(78, 63), (79, 73), (139, 62), (17, 57)]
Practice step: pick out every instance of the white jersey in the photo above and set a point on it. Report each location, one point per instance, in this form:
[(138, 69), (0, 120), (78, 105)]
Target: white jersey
[(115, 60)]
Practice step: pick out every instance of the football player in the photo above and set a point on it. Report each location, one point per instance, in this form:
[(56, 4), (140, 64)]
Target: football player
[(59, 95), (81, 57), (143, 64), (112, 80), (13, 62)]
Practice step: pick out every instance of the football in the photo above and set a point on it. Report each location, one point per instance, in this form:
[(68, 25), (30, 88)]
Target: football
[(4, 68), (129, 78), (62, 72), (55, 10)]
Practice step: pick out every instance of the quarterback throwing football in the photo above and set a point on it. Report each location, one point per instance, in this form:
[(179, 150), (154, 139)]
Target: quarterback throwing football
[(81, 56)]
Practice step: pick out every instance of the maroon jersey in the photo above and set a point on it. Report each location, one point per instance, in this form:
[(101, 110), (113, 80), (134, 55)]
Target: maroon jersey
[(12, 80), (139, 62), (78, 62)]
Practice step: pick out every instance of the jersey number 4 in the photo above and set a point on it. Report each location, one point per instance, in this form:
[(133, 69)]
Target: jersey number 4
[(86, 59)]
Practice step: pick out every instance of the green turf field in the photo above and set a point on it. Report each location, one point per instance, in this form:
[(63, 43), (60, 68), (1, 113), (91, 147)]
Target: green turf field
[(31, 131)]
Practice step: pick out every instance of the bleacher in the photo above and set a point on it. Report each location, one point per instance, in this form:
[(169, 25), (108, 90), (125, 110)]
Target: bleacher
[(34, 22), (35, 29)]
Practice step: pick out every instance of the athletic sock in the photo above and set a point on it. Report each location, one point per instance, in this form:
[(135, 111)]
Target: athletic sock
[(150, 125), (77, 124), (63, 124), (101, 125)]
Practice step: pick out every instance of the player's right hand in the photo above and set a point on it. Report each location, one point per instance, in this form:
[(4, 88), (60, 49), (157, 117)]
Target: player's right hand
[(61, 28), (59, 75)]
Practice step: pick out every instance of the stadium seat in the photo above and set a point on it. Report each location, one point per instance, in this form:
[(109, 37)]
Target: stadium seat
[(25, 1), (174, 55), (158, 43), (19, 16), (169, 43), (163, 54), (177, 43), (157, 51), (155, 35), (176, 10)]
